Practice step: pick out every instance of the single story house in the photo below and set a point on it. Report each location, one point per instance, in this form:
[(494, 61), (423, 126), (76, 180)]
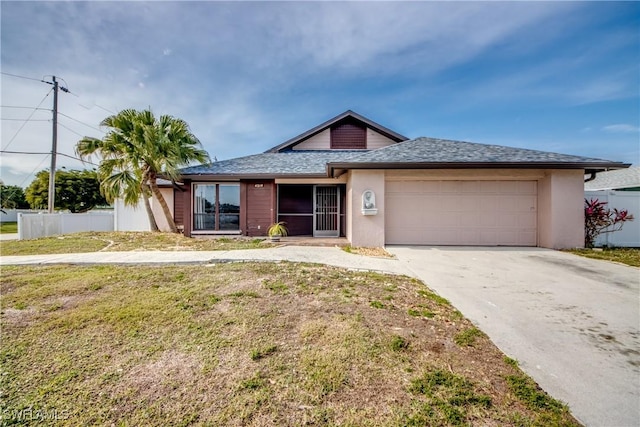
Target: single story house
[(352, 177)]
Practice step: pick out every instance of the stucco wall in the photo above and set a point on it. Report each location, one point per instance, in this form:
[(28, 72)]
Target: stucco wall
[(158, 213), (561, 209), (365, 230)]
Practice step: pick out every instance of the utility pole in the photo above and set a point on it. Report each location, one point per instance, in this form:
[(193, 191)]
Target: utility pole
[(54, 148), (54, 143)]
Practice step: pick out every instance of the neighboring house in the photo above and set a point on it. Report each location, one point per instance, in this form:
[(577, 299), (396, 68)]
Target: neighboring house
[(355, 178), (620, 180), (621, 190)]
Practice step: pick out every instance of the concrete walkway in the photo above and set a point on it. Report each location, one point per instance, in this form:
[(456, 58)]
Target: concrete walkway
[(324, 255)]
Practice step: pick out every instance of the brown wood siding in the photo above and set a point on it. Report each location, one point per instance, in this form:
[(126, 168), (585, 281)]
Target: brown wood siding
[(259, 204), (178, 207), (186, 208), (348, 136)]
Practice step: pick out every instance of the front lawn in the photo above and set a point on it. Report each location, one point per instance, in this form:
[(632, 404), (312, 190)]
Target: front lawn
[(250, 344), (8, 227), (629, 256), (125, 241)]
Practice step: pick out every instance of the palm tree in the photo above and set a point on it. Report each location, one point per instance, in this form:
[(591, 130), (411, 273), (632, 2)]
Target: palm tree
[(138, 149)]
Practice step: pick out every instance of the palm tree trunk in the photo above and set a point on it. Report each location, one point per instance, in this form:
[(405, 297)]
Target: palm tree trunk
[(163, 203), (147, 206)]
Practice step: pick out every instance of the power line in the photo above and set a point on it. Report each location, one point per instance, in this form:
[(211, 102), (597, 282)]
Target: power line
[(59, 154), (32, 120), (83, 123), (22, 77), (26, 108), (71, 130), (77, 158), (23, 152), (25, 122)]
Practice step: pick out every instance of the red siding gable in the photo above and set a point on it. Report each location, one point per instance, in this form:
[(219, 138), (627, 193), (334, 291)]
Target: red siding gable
[(348, 136)]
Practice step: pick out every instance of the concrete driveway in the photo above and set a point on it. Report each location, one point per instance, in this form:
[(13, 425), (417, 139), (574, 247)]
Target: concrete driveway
[(572, 323)]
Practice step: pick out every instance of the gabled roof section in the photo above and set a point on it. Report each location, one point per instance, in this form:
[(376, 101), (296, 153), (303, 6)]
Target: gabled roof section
[(316, 130), (614, 180), (432, 153)]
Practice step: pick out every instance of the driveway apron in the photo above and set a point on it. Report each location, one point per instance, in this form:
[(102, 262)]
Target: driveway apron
[(572, 323)]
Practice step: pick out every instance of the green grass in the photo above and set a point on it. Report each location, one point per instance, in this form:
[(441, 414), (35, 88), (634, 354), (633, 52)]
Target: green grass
[(448, 399), (264, 351), (531, 395), (628, 256), (188, 345), (8, 227), (125, 241), (468, 337)]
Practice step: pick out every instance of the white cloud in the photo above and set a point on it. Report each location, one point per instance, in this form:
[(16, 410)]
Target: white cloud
[(621, 128)]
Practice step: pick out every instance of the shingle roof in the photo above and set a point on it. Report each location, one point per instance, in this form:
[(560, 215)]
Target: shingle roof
[(616, 179), (287, 163), (413, 154), (448, 151)]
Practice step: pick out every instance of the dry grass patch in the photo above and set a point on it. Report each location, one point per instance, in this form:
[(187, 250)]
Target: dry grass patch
[(125, 241), (374, 252), (628, 256), (250, 344)]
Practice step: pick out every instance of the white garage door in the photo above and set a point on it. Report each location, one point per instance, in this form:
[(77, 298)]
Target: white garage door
[(482, 213)]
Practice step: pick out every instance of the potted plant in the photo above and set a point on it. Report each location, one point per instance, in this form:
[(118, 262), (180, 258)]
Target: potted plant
[(277, 230)]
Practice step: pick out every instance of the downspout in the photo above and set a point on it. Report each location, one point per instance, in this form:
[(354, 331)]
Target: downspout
[(592, 177)]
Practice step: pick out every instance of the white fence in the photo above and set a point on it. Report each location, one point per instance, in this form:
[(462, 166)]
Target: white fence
[(11, 215), (629, 236), (43, 225), (130, 218)]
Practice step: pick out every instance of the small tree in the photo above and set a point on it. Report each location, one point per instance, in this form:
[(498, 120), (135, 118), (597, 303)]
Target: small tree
[(598, 219), (12, 197), (76, 190)]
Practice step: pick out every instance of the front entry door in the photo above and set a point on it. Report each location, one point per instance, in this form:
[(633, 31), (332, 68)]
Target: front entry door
[(326, 208)]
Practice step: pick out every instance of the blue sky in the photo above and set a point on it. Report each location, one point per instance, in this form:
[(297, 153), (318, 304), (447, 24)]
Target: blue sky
[(246, 76)]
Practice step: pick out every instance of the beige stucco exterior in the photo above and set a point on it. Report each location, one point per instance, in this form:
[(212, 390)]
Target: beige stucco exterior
[(158, 213), (556, 195), (561, 212), (365, 230)]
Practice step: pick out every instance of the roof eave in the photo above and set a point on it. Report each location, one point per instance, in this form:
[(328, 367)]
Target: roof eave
[(587, 166), (238, 177)]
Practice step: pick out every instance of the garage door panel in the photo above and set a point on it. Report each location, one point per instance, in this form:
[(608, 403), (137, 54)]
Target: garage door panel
[(461, 213), (430, 186), (450, 187), (528, 221), (528, 187), (471, 187), (488, 187)]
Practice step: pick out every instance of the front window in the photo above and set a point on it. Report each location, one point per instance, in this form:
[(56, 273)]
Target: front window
[(216, 207)]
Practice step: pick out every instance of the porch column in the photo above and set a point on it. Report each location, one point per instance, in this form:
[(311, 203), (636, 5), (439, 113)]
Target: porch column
[(365, 230), (186, 219)]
